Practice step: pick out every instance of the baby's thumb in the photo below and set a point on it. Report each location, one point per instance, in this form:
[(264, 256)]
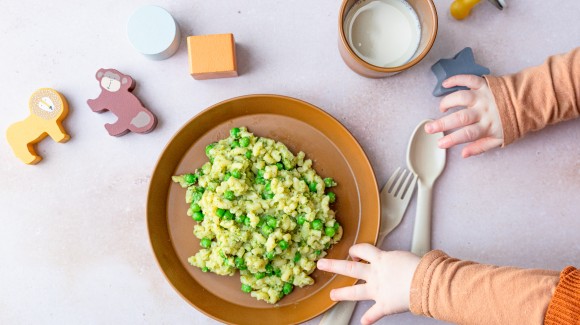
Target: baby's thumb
[(372, 315)]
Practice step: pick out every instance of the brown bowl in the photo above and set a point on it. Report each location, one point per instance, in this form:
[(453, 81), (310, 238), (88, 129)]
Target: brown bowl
[(302, 127), (427, 14)]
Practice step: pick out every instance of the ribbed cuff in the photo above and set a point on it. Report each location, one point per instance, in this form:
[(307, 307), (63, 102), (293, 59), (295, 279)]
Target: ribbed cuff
[(506, 109), (564, 308), (419, 295)]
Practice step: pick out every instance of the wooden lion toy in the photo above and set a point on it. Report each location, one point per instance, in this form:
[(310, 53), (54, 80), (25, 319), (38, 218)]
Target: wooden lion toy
[(48, 109)]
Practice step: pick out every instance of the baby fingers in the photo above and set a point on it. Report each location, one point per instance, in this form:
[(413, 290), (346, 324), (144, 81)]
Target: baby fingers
[(467, 80), (365, 252), (453, 121), (353, 293), (466, 134), (459, 98), (351, 269), (372, 315)]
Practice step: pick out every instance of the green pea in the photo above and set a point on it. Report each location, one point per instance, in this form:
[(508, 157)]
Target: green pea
[(278, 272), (205, 269), (270, 255), (336, 226), (211, 160), (244, 142), (317, 252), (248, 154), (269, 269), (267, 192), (220, 212), (317, 224), (205, 242), (312, 186), (267, 195), (227, 176), (329, 182), (301, 219), (229, 195), (235, 132), (240, 263), (246, 288), (240, 218), (228, 215), (247, 221), (195, 207), (288, 287), (329, 231), (331, 197), (261, 172), (266, 229), (200, 189), (236, 174), (209, 147), (283, 244), (259, 275), (260, 180), (197, 216), (190, 178), (271, 221), (297, 257), (235, 144), (279, 166)]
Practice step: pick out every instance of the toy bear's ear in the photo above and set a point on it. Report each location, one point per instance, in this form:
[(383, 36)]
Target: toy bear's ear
[(124, 80), (100, 74)]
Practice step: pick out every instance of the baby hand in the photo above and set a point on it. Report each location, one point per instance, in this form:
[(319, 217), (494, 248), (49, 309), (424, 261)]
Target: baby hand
[(388, 277), (479, 123)]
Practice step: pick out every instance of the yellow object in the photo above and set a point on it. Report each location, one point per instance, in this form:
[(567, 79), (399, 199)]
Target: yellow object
[(460, 9), (212, 56), (48, 108)]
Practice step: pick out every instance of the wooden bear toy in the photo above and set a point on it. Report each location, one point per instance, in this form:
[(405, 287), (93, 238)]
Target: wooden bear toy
[(116, 97), (48, 109)]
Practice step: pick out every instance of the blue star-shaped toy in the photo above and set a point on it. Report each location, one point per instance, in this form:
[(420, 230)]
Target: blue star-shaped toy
[(462, 63)]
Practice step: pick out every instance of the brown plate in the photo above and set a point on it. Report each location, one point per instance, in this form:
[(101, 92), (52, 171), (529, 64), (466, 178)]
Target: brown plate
[(300, 126)]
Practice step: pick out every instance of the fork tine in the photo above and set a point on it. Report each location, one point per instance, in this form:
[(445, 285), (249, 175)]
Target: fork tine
[(410, 188), (399, 183), (392, 180)]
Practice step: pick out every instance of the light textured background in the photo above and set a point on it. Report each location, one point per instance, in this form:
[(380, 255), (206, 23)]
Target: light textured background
[(73, 237)]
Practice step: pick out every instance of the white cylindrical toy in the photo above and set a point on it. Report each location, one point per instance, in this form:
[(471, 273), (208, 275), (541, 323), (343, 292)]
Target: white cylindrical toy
[(153, 32)]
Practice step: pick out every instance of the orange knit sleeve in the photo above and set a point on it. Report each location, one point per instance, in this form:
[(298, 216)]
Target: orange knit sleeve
[(538, 96), (464, 292), (564, 308)]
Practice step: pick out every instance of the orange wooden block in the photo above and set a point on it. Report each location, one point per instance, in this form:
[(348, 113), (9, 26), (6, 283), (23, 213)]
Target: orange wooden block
[(212, 56)]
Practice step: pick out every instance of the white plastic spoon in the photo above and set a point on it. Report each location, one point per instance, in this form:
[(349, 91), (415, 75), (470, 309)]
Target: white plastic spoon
[(426, 160)]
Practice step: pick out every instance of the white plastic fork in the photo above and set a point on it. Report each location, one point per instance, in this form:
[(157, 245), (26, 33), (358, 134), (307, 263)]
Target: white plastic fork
[(395, 198)]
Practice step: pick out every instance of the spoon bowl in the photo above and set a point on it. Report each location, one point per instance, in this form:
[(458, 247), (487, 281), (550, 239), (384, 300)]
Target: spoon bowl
[(427, 161)]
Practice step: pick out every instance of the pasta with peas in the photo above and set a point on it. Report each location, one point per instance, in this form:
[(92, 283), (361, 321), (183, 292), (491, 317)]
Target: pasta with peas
[(261, 210)]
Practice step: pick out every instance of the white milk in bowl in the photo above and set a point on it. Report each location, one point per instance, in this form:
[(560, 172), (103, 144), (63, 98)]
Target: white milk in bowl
[(384, 33)]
